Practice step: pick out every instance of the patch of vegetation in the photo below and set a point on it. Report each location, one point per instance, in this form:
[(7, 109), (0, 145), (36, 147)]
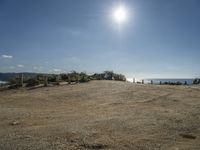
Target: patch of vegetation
[(15, 82), (32, 82), (108, 75), (52, 78), (196, 81), (84, 77), (172, 83), (55, 79)]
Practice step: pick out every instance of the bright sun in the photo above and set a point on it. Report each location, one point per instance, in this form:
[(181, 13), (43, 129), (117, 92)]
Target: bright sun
[(120, 14)]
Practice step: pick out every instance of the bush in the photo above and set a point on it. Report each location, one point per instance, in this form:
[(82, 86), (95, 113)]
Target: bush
[(172, 83), (14, 83), (97, 76), (64, 77), (74, 76), (40, 77), (52, 78), (108, 75), (32, 82), (14, 86), (84, 79), (119, 77), (196, 81), (15, 80)]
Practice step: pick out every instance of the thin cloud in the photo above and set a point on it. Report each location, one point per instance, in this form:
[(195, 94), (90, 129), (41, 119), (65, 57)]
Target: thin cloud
[(56, 70), (7, 56), (20, 66)]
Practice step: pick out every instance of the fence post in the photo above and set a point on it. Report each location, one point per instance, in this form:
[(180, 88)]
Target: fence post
[(133, 80), (57, 79), (69, 79), (22, 80), (77, 79), (142, 81), (45, 81)]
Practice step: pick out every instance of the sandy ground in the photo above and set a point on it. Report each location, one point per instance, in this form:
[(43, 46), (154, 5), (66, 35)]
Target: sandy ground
[(101, 115)]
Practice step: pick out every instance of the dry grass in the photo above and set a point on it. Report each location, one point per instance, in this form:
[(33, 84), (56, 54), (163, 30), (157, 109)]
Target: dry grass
[(101, 115)]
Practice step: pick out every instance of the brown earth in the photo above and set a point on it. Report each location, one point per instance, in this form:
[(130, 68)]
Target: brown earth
[(101, 115)]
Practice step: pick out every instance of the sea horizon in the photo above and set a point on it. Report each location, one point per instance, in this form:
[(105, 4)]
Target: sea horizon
[(158, 80), (172, 80)]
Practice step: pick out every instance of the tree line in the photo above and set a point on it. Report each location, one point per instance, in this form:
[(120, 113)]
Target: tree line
[(55, 79)]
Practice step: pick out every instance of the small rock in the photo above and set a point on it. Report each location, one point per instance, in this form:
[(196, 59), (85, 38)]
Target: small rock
[(15, 123)]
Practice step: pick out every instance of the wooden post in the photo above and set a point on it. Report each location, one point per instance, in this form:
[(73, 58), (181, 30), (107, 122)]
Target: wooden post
[(77, 79), (45, 81), (69, 79), (142, 81), (22, 80), (133, 80), (57, 79)]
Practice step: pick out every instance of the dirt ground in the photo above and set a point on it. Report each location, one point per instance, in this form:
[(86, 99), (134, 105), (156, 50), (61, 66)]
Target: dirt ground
[(101, 115)]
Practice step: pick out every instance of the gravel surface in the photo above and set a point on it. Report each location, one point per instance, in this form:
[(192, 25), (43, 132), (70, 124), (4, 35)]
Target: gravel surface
[(101, 115)]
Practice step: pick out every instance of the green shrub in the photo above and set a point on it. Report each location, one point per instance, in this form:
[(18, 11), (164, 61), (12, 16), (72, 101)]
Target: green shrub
[(32, 82), (14, 86), (64, 77), (196, 81), (40, 77), (108, 75), (84, 79), (15, 80), (52, 78), (14, 83)]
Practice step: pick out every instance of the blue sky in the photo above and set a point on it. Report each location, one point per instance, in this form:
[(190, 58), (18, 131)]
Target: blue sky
[(160, 38)]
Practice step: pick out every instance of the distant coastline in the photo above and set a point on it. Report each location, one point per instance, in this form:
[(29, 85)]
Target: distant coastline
[(175, 80), (163, 80)]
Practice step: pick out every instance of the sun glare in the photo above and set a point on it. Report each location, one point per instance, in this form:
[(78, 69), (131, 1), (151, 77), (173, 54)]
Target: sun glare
[(120, 14)]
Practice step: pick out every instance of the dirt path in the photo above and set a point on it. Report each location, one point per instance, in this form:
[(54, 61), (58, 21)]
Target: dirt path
[(101, 115)]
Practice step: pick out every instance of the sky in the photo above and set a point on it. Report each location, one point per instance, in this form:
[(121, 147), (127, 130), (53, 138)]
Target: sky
[(158, 39)]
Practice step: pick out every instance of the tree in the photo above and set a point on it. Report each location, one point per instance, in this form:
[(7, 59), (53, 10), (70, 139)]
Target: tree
[(108, 75)]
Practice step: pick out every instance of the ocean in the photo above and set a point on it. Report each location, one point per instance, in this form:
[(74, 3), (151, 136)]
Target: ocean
[(157, 81), (3, 82)]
